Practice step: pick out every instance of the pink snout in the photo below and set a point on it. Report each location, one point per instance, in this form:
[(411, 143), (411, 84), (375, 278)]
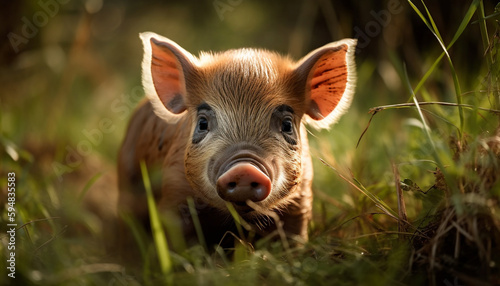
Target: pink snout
[(243, 182)]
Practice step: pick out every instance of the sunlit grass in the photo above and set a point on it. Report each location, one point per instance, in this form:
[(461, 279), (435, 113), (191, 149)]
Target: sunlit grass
[(157, 229)]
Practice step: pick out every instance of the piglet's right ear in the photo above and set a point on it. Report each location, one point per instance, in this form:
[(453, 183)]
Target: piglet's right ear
[(164, 70)]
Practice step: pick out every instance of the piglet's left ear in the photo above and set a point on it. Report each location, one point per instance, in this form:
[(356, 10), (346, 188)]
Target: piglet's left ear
[(329, 75), (166, 68)]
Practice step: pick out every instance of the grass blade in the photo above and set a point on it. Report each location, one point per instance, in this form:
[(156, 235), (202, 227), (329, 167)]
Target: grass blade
[(88, 185), (196, 222), (433, 28), (409, 105), (424, 122), (358, 186), (458, 33), (236, 218), (136, 232), (484, 33), (403, 224), (158, 234), (489, 54), (435, 154), (465, 22)]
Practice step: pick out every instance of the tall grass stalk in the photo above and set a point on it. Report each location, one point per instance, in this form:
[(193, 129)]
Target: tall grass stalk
[(196, 222), (493, 83), (433, 28), (156, 228)]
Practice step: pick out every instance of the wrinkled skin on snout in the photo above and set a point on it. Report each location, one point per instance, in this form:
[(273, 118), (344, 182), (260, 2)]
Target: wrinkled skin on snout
[(228, 128)]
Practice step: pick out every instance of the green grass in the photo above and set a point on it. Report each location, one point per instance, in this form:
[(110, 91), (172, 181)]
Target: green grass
[(156, 228), (406, 195)]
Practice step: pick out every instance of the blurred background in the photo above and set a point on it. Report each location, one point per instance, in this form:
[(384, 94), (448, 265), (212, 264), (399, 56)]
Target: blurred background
[(70, 77)]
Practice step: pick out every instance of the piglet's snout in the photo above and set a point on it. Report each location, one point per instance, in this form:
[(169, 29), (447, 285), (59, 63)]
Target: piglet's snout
[(243, 181)]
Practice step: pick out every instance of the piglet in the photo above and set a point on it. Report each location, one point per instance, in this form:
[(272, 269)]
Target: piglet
[(229, 128)]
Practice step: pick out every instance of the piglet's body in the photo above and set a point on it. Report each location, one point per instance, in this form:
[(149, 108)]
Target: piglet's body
[(228, 128)]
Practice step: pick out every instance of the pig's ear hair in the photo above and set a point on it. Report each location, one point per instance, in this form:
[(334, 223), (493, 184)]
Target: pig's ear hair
[(329, 75), (164, 70)]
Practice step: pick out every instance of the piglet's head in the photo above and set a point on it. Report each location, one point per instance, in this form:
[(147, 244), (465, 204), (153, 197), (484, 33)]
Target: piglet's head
[(246, 110)]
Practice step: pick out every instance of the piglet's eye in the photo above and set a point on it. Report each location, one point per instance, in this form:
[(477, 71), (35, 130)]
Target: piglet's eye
[(287, 126), (202, 124)]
